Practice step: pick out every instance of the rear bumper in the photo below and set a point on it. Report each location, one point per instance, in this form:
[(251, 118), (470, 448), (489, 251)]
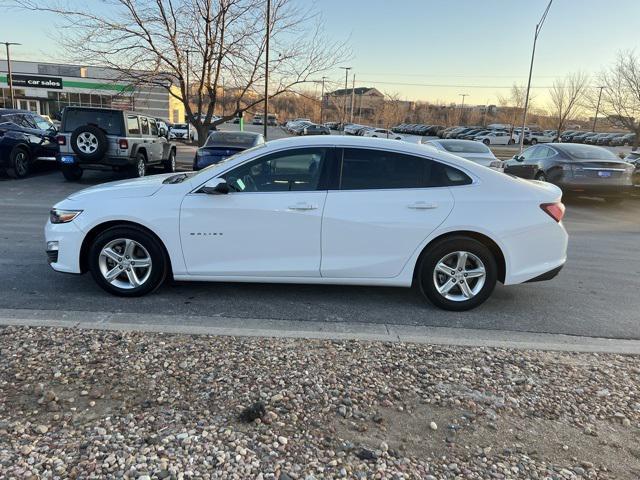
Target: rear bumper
[(606, 190), (547, 275), (106, 162)]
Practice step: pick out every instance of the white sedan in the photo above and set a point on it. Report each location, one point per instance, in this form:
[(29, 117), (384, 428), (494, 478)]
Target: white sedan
[(382, 133), (321, 210), (468, 149), (494, 138)]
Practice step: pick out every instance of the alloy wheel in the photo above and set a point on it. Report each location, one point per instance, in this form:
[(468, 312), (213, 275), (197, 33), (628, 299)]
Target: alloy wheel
[(125, 263), (141, 167), (459, 276), (87, 142), (21, 164)]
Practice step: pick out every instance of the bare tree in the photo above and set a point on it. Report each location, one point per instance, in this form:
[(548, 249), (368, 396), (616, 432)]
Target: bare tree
[(620, 101), (391, 112), (161, 43), (567, 96), (513, 104)]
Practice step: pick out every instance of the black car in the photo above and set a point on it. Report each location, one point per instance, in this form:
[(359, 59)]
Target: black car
[(581, 137), (25, 137), (221, 145), (624, 140), (634, 159), (314, 129), (576, 169)]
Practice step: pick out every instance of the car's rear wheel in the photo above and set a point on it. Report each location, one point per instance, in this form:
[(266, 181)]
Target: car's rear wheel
[(486, 141), (457, 273), (533, 141), (511, 141), (541, 177), (139, 168), (127, 261), (72, 173), (170, 163), (19, 163)]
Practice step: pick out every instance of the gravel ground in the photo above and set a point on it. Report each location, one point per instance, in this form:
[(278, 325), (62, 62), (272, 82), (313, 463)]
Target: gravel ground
[(104, 404)]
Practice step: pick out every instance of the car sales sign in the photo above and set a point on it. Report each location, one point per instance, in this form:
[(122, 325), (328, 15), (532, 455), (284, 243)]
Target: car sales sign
[(36, 82)]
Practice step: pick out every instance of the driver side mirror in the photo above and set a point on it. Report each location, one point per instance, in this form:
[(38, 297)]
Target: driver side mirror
[(518, 158), (162, 132), (217, 186)]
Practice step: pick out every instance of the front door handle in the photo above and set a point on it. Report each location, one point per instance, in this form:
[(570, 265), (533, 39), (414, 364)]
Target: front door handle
[(423, 206), (302, 206)]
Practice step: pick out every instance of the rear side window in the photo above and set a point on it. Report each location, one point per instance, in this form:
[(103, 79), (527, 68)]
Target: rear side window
[(364, 169), (144, 125), (133, 125), (107, 120)]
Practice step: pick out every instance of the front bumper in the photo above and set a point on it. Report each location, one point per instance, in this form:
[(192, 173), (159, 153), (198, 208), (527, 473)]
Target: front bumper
[(69, 242)]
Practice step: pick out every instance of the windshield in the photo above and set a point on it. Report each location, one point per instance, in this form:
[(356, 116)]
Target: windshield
[(179, 126), (461, 146), (588, 152), (231, 139)]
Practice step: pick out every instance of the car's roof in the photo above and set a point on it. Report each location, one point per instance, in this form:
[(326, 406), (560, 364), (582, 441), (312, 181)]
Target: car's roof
[(5, 111)]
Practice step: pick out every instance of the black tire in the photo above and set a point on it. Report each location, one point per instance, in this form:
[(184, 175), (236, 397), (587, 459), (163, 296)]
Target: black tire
[(158, 268), (511, 141), (139, 167), (170, 163), (533, 141), (89, 142), (19, 163), (442, 249), (72, 173), (541, 177), (486, 141)]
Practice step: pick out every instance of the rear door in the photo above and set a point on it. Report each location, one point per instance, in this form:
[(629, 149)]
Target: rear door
[(385, 205)]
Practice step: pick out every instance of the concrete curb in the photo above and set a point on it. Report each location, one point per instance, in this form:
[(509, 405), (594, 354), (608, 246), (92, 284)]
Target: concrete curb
[(229, 326)]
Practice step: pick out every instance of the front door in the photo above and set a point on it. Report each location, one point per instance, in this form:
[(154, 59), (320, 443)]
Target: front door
[(387, 204), (268, 226)]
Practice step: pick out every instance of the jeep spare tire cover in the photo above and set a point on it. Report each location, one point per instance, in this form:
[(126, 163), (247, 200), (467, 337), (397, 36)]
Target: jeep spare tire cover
[(89, 142)]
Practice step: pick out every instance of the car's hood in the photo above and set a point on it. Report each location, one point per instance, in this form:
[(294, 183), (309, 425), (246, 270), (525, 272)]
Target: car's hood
[(137, 187)]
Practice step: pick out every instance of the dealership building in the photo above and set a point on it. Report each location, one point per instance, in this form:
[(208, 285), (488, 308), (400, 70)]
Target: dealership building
[(47, 88)]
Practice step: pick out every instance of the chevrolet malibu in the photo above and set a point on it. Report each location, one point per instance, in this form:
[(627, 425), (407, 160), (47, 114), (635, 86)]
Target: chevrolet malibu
[(326, 209)]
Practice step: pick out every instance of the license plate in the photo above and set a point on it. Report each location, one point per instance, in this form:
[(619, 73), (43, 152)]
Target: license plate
[(604, 174), (67, 159)]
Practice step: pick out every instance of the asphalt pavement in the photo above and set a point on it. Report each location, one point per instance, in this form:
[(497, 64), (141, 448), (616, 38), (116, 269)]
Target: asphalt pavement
[(596, 295)]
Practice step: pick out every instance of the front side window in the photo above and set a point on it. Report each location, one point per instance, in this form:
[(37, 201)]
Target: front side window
[(144, 124), (291, 170), (154, 127), (364, 169)]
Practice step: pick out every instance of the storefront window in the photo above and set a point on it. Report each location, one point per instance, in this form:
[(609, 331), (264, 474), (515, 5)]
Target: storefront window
[(85, 100)]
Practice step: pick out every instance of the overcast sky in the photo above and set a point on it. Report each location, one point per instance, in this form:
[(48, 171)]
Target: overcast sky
[(436, 49)]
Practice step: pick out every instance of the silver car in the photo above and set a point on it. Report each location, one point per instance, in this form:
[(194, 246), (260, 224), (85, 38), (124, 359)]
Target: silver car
[(475, 151)]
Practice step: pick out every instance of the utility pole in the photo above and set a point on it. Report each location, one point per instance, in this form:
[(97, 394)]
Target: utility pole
[(533, 53), (595, 119), (9, 79), (346, 87), (322, 102), (265, 118), (463, 95), (353, 96)]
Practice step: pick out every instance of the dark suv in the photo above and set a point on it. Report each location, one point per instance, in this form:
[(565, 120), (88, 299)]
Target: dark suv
[(104, 138), (24, 138)]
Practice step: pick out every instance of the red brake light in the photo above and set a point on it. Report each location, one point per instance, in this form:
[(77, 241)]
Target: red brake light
[(554, 210), (123, 143), (61, 139)]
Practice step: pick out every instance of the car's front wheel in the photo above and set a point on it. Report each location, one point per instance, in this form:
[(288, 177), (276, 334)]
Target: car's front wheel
[(127, 261), (19, 163), (457, 273), (486, 141)]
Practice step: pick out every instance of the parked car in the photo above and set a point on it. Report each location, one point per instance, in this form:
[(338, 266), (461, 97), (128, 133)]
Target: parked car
[(163, 128), (297, 127), (580, 137), (494, 138), (634, 159), (373, 212), (221, 145), (537, 136), (352, 128), (470, 150), (25, 137), (314, 129), (98, 138), (181, 131), (382, 133), (577, 169), (443, 133), (470, 134), (624, 140), (593, 139), (606, 139), (332, 125), (567, 135)]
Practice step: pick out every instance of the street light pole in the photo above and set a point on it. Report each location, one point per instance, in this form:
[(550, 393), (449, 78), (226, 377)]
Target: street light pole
[(463, 95), (265, 118), (595, 119), (346, 86), (9, 79), (533, 53)]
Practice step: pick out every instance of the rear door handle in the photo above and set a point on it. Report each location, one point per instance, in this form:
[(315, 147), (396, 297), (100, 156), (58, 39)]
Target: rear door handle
[(423, 206), (303, 206)]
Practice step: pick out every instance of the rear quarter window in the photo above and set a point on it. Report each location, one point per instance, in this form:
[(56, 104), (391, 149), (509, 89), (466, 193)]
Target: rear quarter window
[(107, 120)]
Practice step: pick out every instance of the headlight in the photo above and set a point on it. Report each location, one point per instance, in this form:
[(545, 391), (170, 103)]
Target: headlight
[(495, 164), (63, 216)]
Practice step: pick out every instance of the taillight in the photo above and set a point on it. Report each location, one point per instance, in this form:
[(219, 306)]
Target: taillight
[(123, 143), (554, 210), (61, 139)]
